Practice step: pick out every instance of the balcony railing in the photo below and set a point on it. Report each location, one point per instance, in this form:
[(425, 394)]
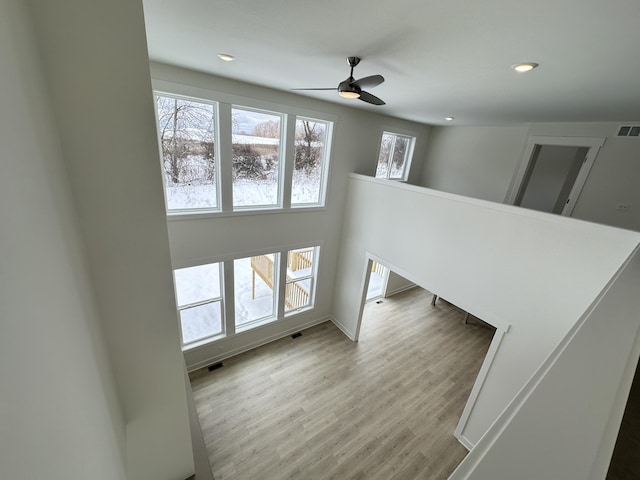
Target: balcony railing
[(295, 296)]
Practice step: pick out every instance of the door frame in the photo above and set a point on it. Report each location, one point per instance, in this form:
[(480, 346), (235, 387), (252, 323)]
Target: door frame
[(385, 279), (593, 143), (502, 327)]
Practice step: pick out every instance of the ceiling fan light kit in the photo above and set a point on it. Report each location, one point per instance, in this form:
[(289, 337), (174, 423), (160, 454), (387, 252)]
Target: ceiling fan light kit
[(352, 88), (524, 67), (348, 94)]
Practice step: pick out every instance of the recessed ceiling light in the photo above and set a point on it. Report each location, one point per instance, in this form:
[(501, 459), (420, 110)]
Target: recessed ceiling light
[(524, 67), (449, 119), (226, 57)]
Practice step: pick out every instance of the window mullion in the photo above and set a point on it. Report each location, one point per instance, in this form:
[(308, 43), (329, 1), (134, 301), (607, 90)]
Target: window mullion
[(299, 279), (199, 303), (225, 163), (282, 283), (288, 141), (391, 153), (229, 312)]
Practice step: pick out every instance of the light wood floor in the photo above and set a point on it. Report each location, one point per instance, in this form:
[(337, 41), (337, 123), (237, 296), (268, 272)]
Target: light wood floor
[(323, 407)]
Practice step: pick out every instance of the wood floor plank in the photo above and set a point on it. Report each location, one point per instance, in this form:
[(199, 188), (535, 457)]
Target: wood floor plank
[(323, 407)]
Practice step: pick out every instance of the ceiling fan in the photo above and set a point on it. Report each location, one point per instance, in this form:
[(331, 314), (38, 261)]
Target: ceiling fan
[(352, 88)]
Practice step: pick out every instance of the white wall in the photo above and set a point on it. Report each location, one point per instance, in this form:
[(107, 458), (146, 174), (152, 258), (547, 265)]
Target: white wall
[(60, 416), (396, 284), (480, 162), (356, 140), (564, 422), (96, 66), (473, 161), (613, 177), (536, 272)]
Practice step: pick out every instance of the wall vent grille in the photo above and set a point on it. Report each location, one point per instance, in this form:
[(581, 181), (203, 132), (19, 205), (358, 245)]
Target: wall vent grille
[(629, 131)]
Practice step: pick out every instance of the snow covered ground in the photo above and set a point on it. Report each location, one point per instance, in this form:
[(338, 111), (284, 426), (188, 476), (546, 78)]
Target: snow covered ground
[(185, 197), (305, 189), (193, 285), (249, 309)]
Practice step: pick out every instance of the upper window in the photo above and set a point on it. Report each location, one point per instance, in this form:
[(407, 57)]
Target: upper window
[(395, 156), (186, 129), (311, 154), (242, 168), (256, 158)]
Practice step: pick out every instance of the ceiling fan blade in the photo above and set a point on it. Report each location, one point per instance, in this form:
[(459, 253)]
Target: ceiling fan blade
[(328, 88), (369, 82), (367, 97)]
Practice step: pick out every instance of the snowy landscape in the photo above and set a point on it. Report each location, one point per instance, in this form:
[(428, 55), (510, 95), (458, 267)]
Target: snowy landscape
[(305, 190)]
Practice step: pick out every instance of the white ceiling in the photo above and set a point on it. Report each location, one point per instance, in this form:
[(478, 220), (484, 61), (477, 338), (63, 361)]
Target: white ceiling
[(439, 58)]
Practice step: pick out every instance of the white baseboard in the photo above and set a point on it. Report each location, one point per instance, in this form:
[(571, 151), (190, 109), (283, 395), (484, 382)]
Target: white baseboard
[(342, 328), (401, 289), (466, 443), (258, 343)]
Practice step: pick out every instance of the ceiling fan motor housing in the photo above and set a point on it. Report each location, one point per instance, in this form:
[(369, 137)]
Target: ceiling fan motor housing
[(348, 86)]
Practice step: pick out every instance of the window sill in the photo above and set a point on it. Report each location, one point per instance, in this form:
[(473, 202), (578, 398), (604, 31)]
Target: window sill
[(207, 214), (204, 342), (255, 324), (243, 329), (293, 313)]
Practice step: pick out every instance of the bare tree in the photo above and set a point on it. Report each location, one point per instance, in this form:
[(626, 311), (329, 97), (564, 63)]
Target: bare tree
[(268, 129), (309, 135), (186, 135)]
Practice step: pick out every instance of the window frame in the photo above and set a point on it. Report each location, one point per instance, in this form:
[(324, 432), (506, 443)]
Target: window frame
[(226, 270), (408, 156), (326, 157), (281, 161), (312, 277), (216, 150), (223, 145), (209, 300), (273, 317)]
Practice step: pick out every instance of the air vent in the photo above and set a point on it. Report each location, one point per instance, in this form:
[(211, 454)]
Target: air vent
[(629, 131)]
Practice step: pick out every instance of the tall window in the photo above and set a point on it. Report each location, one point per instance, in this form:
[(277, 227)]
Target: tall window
[(395, 156), (199, 300), (256, 158), (255, 287), (186, 129), (300, 279), (310, 162)]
